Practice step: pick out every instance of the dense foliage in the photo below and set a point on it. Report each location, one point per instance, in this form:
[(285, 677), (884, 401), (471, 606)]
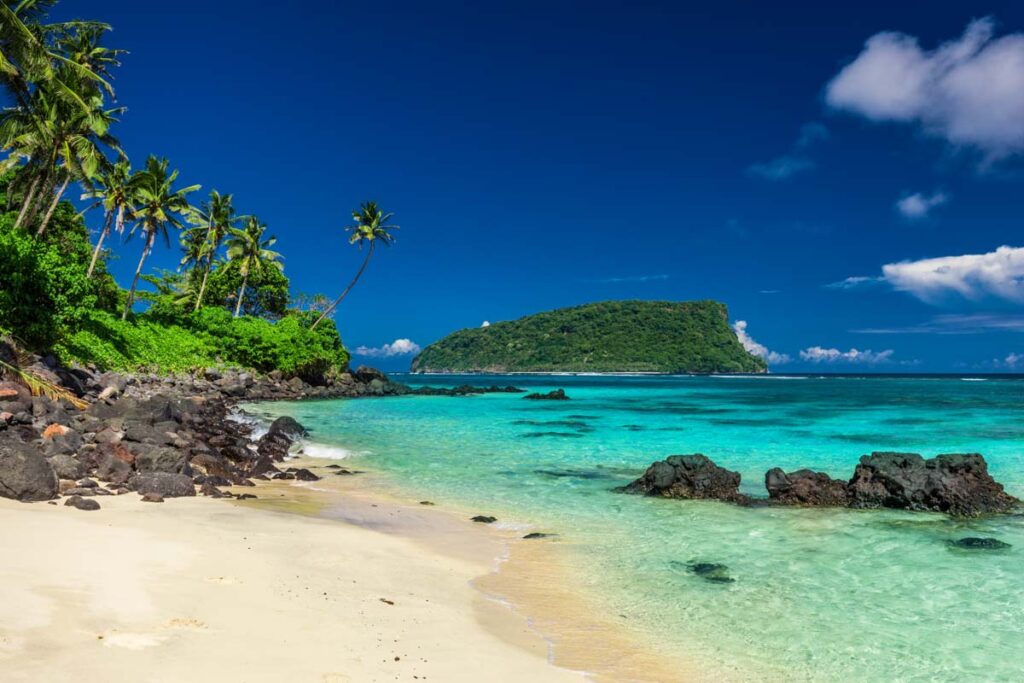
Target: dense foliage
[(208, 338), (613, 336)]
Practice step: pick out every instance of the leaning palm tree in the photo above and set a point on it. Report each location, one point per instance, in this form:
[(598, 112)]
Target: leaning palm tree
[(116, 185), (157, 206), (370, 227), (252, 253), (213, 221)]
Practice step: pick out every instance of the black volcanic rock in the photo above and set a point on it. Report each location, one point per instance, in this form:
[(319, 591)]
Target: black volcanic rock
[(25, 474), (804, 487), (957, 484), (688, 477), (556, 395)]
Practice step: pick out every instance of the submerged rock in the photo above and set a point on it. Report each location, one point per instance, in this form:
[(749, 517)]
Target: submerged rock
[(709, 571), (688, 477), (804, 487), (537, 535), (556, 395), (975, 543), (957, 484)]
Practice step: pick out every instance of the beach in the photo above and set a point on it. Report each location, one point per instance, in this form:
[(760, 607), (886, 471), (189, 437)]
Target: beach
[(200, 589)]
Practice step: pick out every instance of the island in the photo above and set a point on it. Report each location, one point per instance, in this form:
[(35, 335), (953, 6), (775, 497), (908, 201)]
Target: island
[(671, 337)]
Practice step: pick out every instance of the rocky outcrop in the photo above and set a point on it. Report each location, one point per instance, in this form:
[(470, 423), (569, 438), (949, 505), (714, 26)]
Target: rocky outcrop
[(688, 477), (804, 487), (163, 484), (556, 395), (957, 484), (25, 474)]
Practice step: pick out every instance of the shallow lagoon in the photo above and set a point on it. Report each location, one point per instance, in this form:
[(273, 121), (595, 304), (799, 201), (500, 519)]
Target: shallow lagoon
[(819, 595)]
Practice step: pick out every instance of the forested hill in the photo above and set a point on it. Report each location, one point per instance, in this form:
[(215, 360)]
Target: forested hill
[(611, 336)]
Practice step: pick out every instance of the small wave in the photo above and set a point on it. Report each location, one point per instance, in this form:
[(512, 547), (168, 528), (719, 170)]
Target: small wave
[(973, 379), (760, 377), (319, 450)]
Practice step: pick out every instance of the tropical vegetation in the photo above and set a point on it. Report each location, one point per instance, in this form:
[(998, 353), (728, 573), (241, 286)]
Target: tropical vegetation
[(611, 336), (229, 301)]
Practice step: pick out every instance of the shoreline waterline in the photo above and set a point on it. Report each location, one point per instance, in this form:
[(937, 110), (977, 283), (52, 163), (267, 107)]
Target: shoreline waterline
[(528, 583)]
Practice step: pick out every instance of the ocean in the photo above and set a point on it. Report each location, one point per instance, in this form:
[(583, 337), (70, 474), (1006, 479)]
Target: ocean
[(816, 595)]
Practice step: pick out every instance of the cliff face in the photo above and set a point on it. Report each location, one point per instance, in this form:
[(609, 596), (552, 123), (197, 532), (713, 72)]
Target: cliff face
[(611, 336)]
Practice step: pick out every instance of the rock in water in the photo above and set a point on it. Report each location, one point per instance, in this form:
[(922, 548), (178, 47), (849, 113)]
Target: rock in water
[(25, 474), (688, 476), (485, 519), (957, 484), (556, 395), (975, 543), (288, 426), (710, 571), (804, 487)]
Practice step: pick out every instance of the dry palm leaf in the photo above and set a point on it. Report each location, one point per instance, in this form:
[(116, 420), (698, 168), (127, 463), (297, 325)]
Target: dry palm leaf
[(40, 387)]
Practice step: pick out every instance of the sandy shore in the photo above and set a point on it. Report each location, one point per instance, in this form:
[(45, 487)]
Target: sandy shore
[(201, 590)]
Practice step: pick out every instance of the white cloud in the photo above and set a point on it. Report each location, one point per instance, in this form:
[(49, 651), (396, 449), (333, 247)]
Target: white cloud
[(486, 323), (817, 354), (399, 347), (1013, 360), (755, 348), (956, 324), (969, 91), (998, 274), (633, 278), (854, 281), (918, 205)]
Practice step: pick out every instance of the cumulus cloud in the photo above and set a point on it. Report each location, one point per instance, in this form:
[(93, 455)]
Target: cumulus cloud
[(969, 91), (399, 347), (998, 274), (486, 323), (1014, 360), (755, 348), (918, 205), (817, 354)]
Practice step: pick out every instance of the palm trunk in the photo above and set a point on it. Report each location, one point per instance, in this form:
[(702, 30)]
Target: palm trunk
[(119, 221), (99, 243), (26, 202), (348, 289), (53, 205), (241, 293), (202, 287), (135, 280), (45, 188)]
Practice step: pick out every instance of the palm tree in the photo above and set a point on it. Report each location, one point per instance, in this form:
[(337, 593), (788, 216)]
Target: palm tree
[(252, 253), (213, 221), (115, 194), (370, 227), (157, 206)]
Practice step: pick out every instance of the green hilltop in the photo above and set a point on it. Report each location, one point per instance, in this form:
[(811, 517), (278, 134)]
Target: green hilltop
[(610, 336)]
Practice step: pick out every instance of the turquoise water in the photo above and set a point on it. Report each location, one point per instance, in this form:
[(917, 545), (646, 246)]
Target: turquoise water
[(819, 595)]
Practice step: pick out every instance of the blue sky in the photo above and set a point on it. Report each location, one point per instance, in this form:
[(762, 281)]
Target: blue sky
[(548, 154)]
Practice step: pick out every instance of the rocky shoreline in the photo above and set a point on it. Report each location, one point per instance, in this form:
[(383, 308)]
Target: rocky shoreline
[(158, 436)]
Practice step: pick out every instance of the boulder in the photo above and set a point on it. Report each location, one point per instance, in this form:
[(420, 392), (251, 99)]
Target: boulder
[(976, 543), (25, 474), (288, 426), (484, 519), (82, 503), (365, 374), (112, 469), (164, 484), (957, 484), (159, 459), (67, 467), (804, 487), (688, 477)]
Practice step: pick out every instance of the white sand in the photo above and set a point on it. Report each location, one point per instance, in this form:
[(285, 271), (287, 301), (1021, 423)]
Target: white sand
[(212, 590)]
